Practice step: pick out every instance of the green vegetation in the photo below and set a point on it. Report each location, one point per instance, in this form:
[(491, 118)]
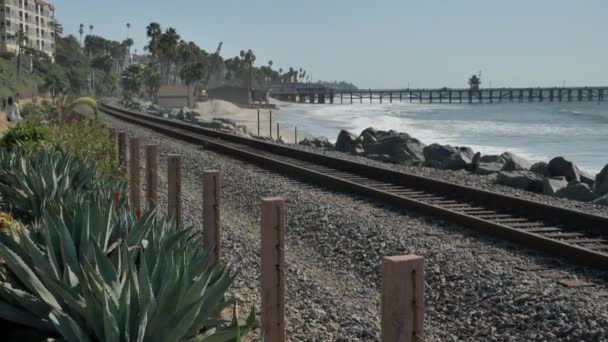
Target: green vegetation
[(23, 134), (79, 263), (10, 84), (91, 269)]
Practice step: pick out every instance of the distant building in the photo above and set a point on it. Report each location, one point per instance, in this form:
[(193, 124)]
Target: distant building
[(174, 97), (36, 18), (240, 96)]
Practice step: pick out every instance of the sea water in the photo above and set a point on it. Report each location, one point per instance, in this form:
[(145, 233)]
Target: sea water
[(537, 131)]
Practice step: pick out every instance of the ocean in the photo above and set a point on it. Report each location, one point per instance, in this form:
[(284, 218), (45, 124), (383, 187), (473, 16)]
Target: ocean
[(537, 131)]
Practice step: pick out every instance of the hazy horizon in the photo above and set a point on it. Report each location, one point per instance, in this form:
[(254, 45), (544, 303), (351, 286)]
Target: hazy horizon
[(387, 45)]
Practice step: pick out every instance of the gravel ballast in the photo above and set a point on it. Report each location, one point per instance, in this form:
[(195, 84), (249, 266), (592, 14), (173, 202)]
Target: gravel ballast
[(475, 290)]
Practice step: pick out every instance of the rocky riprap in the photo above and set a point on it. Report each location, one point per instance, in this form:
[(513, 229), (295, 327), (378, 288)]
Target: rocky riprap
[(187, 115), (559, 177), (477, 288)]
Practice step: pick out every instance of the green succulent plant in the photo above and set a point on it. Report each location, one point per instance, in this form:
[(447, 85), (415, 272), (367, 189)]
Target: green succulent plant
[(30, 181), (102, 274)]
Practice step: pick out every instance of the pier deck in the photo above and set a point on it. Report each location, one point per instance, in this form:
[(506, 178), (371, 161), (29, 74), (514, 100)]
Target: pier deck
[(318, 94)]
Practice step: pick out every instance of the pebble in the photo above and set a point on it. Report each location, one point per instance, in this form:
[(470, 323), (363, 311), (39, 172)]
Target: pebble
[(334, 246)]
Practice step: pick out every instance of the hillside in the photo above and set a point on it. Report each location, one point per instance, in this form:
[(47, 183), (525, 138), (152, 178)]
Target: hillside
[(10, 84)]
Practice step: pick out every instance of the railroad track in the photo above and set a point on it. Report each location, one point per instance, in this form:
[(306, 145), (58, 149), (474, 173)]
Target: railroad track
[(576, 236)]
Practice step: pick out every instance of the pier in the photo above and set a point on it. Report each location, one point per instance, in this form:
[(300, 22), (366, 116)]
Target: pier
[(310, 93)]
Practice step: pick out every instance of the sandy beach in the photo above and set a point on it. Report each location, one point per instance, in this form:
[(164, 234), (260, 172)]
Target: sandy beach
[(249, 117)]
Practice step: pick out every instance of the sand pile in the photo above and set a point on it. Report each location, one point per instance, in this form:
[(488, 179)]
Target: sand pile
[(217, 107)]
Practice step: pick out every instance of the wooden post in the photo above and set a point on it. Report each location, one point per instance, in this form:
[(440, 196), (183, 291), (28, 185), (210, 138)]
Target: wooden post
[(114, 138), (151, 175), (273, 269), (258, 121), (295, 139), (351, 98), (278, 132), (134, 176), (174, 190), (211, 215), (403, 298), (122, 152), (270, 123)]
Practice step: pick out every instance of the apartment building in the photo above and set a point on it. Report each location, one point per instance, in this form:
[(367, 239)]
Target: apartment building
[(35, 18)]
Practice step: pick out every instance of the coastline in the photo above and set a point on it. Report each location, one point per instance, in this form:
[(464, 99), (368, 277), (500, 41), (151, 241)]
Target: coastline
[(247, 117)]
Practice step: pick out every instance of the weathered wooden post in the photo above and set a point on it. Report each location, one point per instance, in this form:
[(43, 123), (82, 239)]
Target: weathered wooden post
[(114, 138), (295, 138), (211, 215), (351, 98), (122, 152), (134, 174), (278, 132), (174, 189), (273, 269), (402, 298), (151, 175), (258, 121), (270, 124)]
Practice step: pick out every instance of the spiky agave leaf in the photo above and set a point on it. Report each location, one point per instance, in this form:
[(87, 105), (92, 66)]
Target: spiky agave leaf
[(153, 285)]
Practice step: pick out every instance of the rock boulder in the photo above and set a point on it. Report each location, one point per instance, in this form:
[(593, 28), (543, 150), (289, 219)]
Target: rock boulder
[(346, 142), (525, 180), (436, 154), (541, 168), (456, 161), (487, 168), (552, 185), (400, 147), (559, 166), (577, 191), (600, 187), (515, 163)]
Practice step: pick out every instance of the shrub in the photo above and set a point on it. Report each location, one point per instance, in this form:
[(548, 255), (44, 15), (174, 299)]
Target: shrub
[(23, 134), (101, 274), (89, 139), (91, 269), (30, 181)]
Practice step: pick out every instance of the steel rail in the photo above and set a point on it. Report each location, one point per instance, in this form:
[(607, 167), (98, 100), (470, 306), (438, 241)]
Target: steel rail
[(576, 236)]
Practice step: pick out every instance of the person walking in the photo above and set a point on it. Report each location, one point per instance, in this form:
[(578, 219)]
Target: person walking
[(12, 111)]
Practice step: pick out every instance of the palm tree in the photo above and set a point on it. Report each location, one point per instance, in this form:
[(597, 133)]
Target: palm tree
[(168, 48), (128, 29), (91, 27), (58, 28), (154, 32), (22, 40), (270, 64), (81, 31)]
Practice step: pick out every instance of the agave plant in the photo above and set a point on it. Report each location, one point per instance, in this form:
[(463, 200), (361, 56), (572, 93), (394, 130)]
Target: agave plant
[(31, 181), (101, 274)]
